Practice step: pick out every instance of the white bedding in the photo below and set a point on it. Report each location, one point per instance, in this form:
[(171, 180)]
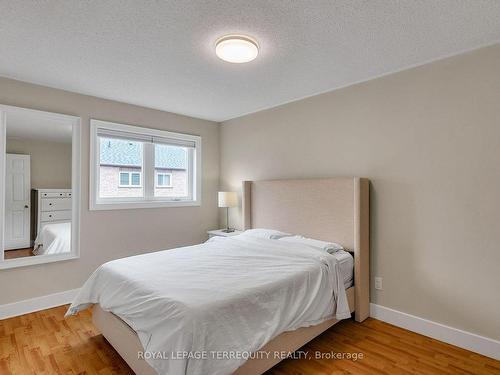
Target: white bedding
[(346, 264), (53, 239), (228, 295)]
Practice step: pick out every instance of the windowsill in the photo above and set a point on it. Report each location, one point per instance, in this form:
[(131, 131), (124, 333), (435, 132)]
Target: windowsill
[(143, 204)]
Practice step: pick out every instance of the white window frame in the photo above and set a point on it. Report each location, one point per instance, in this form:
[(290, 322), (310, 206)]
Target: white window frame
[(148, 170), (130, 185), (163, 174)]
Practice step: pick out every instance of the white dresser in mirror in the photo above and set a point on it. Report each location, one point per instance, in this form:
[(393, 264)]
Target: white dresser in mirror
[(49, 207)]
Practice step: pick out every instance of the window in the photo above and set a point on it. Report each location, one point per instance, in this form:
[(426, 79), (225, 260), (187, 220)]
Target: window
[(129, 179), (163, 179), (135, 167)]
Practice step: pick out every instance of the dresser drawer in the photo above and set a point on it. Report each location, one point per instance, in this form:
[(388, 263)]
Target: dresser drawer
[(55, 215), (56, 204), (55, 194)]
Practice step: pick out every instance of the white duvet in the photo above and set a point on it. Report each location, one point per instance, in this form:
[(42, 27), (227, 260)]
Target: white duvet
[(53, 239), (228, 295)]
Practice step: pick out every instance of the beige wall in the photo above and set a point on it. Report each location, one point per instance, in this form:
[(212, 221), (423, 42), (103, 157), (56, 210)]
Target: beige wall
[(429, 140), (50, 161), (107, 235)]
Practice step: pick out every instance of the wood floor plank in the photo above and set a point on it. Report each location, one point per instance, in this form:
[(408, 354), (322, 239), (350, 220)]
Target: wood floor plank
[(45, 343), (18, 253)]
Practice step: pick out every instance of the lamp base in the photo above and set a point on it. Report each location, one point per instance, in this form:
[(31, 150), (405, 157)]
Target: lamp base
[(228, 230)]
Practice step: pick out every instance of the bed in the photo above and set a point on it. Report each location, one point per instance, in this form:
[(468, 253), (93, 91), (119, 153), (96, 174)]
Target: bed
[(329, 209), (54, 238)]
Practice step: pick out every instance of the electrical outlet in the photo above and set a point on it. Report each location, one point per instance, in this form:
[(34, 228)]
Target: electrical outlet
[(378, 283)]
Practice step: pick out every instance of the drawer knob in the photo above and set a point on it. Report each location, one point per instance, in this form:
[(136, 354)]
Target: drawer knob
[(50, 204)]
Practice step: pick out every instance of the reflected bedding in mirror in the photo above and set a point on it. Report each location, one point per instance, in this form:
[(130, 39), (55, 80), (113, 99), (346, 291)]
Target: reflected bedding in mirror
[(53, 239)]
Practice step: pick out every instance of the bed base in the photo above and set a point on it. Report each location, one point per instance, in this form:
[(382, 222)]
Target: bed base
[(127, 344)]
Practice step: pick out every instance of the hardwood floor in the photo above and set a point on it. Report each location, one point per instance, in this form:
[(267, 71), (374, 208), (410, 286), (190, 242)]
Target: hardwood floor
[(18, 253), (46, 343)]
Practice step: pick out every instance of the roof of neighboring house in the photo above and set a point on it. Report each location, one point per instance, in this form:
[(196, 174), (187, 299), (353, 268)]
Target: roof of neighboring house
[(120, 152)]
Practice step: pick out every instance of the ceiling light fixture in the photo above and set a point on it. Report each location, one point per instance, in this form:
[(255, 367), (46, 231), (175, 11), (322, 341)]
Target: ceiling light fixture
[(236, 48)]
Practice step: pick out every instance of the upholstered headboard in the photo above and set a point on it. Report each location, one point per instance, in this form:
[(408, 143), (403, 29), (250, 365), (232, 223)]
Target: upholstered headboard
[(329, 209)]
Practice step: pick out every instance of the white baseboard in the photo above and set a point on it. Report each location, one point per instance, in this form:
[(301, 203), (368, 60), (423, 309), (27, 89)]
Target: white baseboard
[(441, 332), (10, 310)]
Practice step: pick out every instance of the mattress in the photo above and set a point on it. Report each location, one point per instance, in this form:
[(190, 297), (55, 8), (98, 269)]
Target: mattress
[(346, 263)]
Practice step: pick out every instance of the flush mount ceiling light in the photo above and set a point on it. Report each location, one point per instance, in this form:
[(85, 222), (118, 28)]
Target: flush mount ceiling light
[(236, 48)]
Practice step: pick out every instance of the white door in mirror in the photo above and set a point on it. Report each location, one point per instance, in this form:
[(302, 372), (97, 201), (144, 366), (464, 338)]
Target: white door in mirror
[(17, 201)]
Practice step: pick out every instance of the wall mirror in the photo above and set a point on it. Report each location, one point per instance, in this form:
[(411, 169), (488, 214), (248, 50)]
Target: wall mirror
[(39, 186)]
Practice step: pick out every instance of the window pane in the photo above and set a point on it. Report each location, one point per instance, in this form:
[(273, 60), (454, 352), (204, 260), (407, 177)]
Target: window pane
[(124, 179), (136, 179), (120, 168), (166, 180), (172, 171), (163, 179)]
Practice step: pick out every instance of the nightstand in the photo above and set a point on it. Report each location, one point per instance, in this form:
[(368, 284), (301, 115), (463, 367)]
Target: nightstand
[(221, 233)]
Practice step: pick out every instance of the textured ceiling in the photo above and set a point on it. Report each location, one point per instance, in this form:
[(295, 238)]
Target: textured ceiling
[(160, 54)]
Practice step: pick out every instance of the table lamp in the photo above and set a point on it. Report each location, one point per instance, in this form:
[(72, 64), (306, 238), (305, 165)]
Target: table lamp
[(228, 199)]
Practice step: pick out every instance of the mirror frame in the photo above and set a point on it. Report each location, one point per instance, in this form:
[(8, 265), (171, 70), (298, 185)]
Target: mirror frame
[(75, 188)]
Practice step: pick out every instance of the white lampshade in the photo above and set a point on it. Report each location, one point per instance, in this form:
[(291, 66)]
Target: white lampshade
[(228, 199)]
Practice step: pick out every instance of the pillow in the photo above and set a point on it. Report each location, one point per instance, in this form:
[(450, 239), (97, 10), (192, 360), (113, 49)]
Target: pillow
[(329, 247), (270, 234)]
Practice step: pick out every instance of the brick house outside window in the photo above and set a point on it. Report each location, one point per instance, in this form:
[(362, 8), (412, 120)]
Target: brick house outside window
[(121, 173)]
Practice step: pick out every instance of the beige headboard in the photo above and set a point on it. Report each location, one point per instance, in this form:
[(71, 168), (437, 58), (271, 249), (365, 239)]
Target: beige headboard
[(329, 209)]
